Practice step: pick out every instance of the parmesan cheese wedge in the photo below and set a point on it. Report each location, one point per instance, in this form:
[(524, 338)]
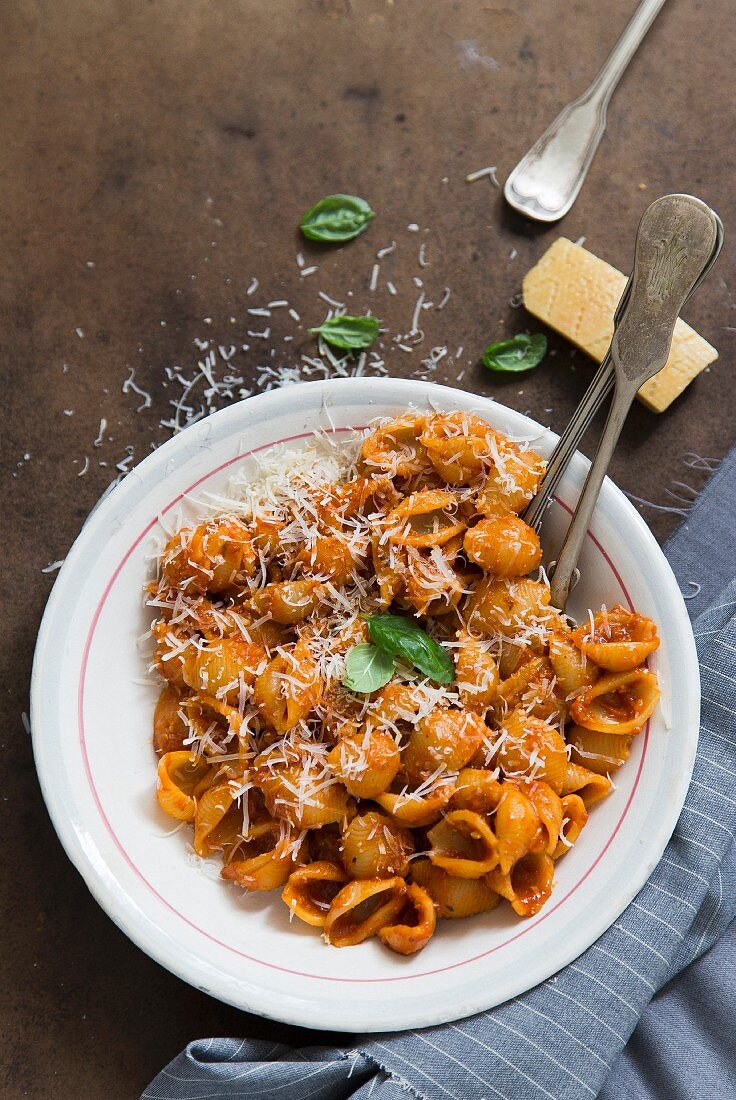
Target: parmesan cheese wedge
[(576, 293)]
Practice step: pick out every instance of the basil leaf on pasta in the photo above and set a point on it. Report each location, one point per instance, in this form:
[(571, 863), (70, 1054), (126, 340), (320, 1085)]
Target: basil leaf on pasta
[(404, 638), (518, 353), (336, 218), (352, 333), (367, 668)]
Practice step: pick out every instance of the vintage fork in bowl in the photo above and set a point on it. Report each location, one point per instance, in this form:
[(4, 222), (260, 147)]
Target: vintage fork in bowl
[(677, 242), (592, 400)]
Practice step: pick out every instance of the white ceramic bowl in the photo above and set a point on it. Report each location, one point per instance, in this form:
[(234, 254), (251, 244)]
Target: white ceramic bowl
[(91, 720)]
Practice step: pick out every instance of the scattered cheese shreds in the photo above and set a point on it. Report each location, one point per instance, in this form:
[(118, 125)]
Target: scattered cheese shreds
[(130, 385), (218, 377), (53, 566), (482, 173), (100, 433)]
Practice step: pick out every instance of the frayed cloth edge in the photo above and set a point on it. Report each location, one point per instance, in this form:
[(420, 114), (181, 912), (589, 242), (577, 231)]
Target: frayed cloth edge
[(403, 1084)]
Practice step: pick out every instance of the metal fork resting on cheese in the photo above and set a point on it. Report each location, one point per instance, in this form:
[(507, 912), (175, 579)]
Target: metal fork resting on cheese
[(678, 240)]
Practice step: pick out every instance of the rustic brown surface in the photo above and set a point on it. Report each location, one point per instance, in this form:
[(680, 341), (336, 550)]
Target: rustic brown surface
[(173, 146)]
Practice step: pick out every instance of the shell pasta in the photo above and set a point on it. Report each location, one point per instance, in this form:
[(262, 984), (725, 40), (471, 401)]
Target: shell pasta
[(369, 704)]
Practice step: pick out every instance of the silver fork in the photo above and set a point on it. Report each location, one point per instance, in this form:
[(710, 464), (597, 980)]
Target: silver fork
[(592, 400), (677, 242), (545, 183)]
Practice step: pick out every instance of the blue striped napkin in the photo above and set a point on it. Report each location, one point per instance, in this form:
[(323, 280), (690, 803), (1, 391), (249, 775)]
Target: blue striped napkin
[(560, 1040)]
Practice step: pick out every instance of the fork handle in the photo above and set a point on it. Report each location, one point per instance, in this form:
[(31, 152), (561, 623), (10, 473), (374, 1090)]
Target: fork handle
[(625, 48), (595, 395), (568, 443), (674, 246), (546, 182), (568, 556)]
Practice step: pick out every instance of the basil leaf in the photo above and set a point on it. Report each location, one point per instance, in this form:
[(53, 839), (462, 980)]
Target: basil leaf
[(403, 638), (336, 218), (348, 332), (367, 668), (518, 353)]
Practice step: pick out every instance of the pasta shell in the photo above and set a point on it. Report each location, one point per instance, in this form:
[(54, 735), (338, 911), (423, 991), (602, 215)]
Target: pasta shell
[(489, 608), (617, 640), (289, 688), (362, 908), (463, 844), (528, 885), (415, 924), (531, 749), (516, 824), (329, 559), (454, 898), (310, 891), (263, 861), (503, 545), (204, 721), (443, 738), (169, 729), (367, 762), (476, 673), (476, 789), (217, 819), (533, 690), (288, 602), (575, 815), (301, 793), (364, 495), (512, 482), (181, 776), (374, 846), (598, 752), (505, 606), (619, 702), (459, 446), (257, 629), (550, 811), (589, 785), (394, 448), (425, 519), (213, 557), (572, 668), (223, 668), (430, 584), (415, 811), (396, 704)]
